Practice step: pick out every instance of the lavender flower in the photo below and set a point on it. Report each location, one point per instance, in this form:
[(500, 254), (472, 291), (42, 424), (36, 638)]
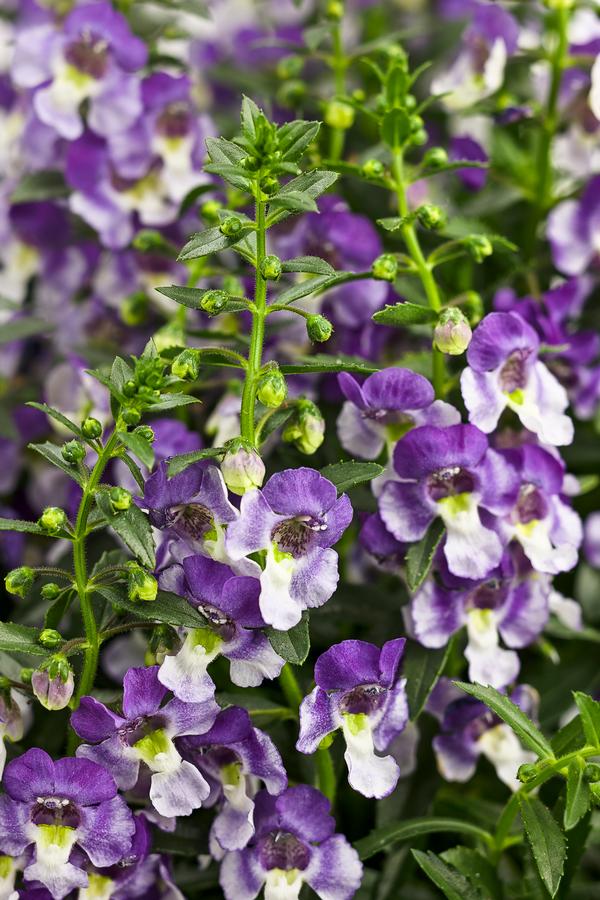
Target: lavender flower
[(573, 228)]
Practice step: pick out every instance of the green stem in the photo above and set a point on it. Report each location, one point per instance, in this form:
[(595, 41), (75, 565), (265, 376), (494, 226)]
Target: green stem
[(258, 329), (291, 688), (337, 136), (326, 780), (424, 270)]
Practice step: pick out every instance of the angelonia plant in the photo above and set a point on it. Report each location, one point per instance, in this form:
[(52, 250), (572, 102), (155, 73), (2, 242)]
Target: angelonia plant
[(299, 417)]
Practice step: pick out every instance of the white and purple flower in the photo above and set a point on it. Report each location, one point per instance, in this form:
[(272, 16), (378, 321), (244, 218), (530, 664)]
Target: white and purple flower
[(574, 231), (294, 844), (358, 689)]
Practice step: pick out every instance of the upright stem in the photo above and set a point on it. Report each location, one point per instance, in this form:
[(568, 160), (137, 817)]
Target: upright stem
[(291, 688), (338, 135), (258, 330), (326, 780), (423, 268)]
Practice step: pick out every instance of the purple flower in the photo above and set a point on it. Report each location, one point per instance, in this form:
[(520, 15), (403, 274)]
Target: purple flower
[(504, 371), (574, 231), (231, 756), (386, 405), (11, 722), (296, 518), (53, 807), (358, 690), (229, 604), (374, 537), (91, 58), (591, 543), (463, 147), (294, 843), (470, 730), (452, 473), (145, 734)]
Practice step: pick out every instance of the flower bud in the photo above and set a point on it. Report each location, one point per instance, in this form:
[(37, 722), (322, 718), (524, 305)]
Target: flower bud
[(141, 585), (11, 715), (431, 216), (131, 415), (291, 92), (231, 226), (49, 638), (272, 389), (25, 675), (527, 772), (339, 114), (385, 267), (19, 581), (270, 268), (50, 591), (319, 329), (91, 428), (419, 137), (289, 67), (210, 210), (73, 452), (269, 185), (53, 683), (186, 365), (334, 10), (479, 246), (306, 429), (472, 305), (134, 308), (120, 499), (130, 388), (146, 432), (435, 158), (148, 240), (53, 519), (373, 168), (242, 467), (251, 163), (591, 773), (452, 334), (213, 302)]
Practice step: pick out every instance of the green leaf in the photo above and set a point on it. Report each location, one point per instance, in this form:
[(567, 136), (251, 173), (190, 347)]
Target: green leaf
[(135, 470), (570, 737), (256, 704), (250, 114), (385, 837), (19, 329), (323, 363), (22, 525), (453, 885), (192, 298), (294, 138), (177, 464), (58, 416), (474, 866), (546, 840), (405, 313), (312, 184), (212, 240), (422, 667), (292, 645), (139, 445), (234, 175), (20, 639), (168, 608), (590, 717), (395, 128), (224, 153), (529, 735), (43, 185), (311, 264), (419, 556), (52, 454), (578, 794), (172, 401), (346, 475), (132, 526), (393, 223), (293, 201), (305, 288), (315, 35)]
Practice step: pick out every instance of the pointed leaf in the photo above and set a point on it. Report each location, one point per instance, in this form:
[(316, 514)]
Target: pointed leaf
[(20, 329), (546, 840), (52, 454), (311, 264), (212, 240), (58, 416), (453, 885), (405, 313), (294, 201), (294, 137), (312, 183), (22, 525), (167, 608), (419, 556), (192, 298), (133, 527), (346, 475), (422, 667), (578, 794), (529, 735), (177, 464), (20, 639), (45, 184), (590, 717), (292, 645), (322, 363), (385, 837), (139, 446)]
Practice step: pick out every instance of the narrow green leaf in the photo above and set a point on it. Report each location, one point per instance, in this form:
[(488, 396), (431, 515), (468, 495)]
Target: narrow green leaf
[(20, 639), (393, 223), (383, 838), (22, 525), (453, 885), (212, 240), (52, 454), (138, 445), (546, 840), (19, 329), (249, 116), (312, 183), (422, 667), (578, 794), (234, 175), (192, 298), (177, 464), (315, 35), (395, 128), (132, 526), (172, 401), (43, 185), (168, 608), (529, 735), (346, 475), (323, 363), (474, 866), (419, 556), (570, 737), (311, 264), (294, 138), (305, 288), (135, 470), (590, 717), (405, 313), (58, 416), (293, 201), (292, 645)]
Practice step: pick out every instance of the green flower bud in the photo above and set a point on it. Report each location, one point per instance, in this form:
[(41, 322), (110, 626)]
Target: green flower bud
[(91, 428), (306, 429), (359, 95), (120, 499), (210, 210), (591, 773), (134, 308), (319, 329), (410, 102), (50, 638), (435, 158), (149, 241), (326, 742), (53, 519), (131, 415), (19, 581), (272, 389), (527, 772), (339, 114), (25, 675), (334, 10), (73, 452), (4, 687), (452, 333), (141, 585), (146, 432), (270, 268), (231, 226), (431, 216), (472, 306), (385, 267), (213, 302), (50, 591), (479, 246), (373, 168), (242, 468), (269, 185), (289, 67), (130, 388), (251, 163), (186, 365), (291, 92), (419, 137), (53, 683), (416, 124)]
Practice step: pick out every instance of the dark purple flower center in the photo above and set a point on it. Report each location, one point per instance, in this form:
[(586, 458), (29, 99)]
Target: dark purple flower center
[(88, 55), (222, 624), (531, 504), (513, 374), (295, 535), (490, 595), (191, 519), (55, 811), (282, 850), (449, 482), (174, 121), (365, 698), (135, 729)]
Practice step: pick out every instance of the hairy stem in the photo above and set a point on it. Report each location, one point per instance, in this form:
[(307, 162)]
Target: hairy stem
[(258, 330), (337, 136)]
